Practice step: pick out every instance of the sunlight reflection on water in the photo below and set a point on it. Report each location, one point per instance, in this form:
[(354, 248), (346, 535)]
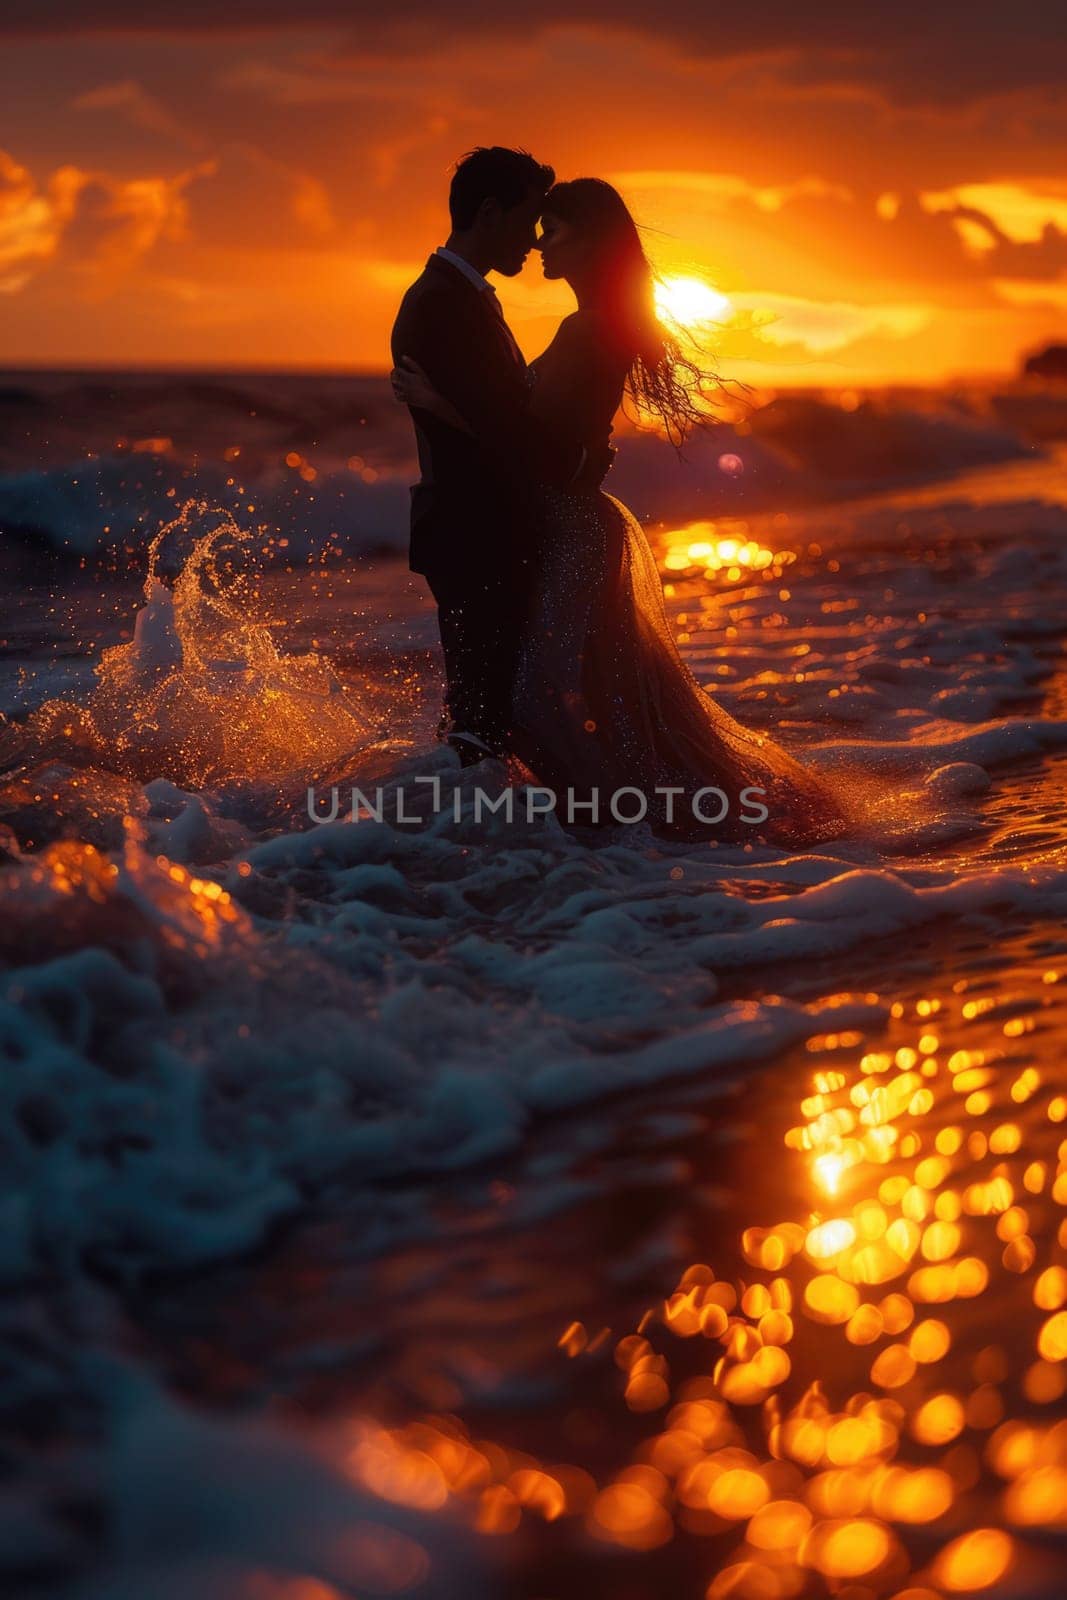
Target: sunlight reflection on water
[(863, 1384)]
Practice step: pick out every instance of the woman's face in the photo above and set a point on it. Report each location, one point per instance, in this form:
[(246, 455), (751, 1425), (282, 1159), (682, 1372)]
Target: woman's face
[(562, 246)]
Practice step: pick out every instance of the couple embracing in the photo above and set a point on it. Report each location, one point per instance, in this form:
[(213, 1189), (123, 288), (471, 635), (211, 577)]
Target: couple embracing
[(557, 650)]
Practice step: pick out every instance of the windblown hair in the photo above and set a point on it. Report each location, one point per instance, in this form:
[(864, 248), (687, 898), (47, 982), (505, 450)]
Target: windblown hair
[(663, 380), (494, 173)]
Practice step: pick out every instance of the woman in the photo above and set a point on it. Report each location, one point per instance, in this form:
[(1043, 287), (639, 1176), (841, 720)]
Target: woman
[(602, 699)]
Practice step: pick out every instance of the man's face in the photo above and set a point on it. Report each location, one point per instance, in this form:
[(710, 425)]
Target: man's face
[(515, 234)]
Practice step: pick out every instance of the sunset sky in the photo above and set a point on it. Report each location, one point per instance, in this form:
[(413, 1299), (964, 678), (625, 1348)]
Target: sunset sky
[(880, 191)]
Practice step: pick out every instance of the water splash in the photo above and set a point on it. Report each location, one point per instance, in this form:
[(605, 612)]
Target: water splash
[(144, 908), (201, 694)]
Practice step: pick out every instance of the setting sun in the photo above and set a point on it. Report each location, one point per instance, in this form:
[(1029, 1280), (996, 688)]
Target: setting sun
[(690, 302)]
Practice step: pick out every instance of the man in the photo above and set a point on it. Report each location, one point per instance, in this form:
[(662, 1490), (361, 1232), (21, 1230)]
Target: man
[(469, 510)]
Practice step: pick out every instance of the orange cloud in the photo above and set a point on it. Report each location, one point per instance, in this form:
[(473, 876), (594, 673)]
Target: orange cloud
[(1021, 210), (29, 225), (822, 326), (97, 225), (140, 108), (726, 187)]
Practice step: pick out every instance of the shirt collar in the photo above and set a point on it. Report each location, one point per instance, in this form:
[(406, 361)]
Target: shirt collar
[(470, 273)]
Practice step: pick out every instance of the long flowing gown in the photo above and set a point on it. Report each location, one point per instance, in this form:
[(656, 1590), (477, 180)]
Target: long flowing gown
[(603, 702)]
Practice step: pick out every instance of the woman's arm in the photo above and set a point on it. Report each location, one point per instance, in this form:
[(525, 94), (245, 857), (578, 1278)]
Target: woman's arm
[(459, 350), (526, 442), (412, 387)]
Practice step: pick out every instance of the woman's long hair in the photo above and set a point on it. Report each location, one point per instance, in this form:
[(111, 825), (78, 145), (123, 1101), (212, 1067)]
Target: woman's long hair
[(663, 380)]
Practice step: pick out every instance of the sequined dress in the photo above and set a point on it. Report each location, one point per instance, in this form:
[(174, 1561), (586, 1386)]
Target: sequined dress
[(603, 701)]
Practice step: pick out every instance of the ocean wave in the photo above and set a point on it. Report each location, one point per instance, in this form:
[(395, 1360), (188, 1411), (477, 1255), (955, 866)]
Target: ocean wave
[(108, 508), (328, 1009), (219, 1021), (326, 464)]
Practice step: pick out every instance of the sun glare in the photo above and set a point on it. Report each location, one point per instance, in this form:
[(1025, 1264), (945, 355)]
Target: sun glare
[(690, 303)]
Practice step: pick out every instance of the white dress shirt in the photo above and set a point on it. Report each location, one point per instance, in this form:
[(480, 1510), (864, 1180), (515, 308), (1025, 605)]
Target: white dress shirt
[(464, 266)]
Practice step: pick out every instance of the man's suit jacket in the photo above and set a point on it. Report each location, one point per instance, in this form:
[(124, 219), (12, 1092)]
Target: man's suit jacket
[(469, 511)]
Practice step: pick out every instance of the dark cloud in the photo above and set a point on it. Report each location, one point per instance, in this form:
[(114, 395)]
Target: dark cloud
[(911, 49)]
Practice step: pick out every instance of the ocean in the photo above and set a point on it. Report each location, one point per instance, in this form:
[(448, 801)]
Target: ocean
[(394, 1208)]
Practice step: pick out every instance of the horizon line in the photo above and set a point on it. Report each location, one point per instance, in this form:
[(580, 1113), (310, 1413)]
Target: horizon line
[(212, 369)]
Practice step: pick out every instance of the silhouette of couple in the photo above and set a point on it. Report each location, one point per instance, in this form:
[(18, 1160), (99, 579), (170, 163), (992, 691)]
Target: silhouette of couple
[(556, 645)]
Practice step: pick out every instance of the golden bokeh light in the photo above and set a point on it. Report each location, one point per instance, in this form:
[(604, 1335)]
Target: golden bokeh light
[(822, 1475)]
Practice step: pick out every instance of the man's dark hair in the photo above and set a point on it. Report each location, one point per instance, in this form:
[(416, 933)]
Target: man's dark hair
[(494, 173)]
